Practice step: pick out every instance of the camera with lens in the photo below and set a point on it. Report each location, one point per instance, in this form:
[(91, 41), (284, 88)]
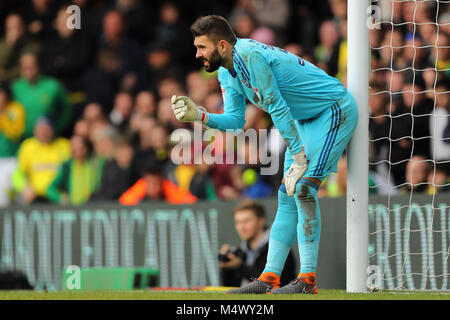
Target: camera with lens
[(223, 257)]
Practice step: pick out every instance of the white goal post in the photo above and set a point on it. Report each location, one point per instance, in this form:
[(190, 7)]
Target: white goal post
[(400, 80), (358, 149)]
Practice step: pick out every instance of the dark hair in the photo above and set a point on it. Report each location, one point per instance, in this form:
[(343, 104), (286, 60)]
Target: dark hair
[(87, 144), (252, 205), (152, 167), (215, 27)]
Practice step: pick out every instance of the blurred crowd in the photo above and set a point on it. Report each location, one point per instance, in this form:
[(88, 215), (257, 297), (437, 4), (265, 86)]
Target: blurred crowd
[(85, 113)]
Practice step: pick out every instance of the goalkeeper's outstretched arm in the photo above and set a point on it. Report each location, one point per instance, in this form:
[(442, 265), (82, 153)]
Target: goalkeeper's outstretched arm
[(233, 117)]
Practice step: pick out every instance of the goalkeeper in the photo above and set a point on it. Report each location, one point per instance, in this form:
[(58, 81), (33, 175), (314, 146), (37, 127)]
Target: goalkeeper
[(315, 115)]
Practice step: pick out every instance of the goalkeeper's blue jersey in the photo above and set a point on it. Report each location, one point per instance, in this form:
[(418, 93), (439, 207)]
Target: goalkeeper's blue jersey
[(280, 83)]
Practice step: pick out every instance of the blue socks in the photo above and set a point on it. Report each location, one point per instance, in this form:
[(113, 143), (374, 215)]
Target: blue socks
[(308, 227), (283, 233), (297, 217)]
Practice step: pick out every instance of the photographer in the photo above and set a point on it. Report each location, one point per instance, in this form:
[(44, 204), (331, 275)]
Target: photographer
[(239, 265)]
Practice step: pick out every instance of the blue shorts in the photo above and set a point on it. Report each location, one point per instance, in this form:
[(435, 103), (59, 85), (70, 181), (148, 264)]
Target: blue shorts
[(326, 137)]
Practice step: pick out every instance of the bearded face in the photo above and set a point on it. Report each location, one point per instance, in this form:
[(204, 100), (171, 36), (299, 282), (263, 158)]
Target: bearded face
[(213, 63), (208, 53)]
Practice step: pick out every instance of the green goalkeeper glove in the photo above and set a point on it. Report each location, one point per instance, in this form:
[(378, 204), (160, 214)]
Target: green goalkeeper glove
[(185, 110)]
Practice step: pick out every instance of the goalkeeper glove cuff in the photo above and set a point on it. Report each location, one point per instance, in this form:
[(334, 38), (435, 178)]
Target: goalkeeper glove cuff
[(202, 115)]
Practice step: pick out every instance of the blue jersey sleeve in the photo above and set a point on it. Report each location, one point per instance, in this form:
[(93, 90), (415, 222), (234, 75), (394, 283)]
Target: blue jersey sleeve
[(263, 79), (234, 109)]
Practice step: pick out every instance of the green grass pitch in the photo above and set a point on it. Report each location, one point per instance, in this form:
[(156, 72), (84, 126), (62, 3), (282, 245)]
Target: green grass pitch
[(199, 295)]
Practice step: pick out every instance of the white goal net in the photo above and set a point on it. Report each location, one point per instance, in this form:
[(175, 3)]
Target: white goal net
[(409, 133)]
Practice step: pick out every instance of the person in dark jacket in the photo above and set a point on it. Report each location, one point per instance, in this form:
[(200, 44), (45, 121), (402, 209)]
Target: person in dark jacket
[(239, 265), (65, 54), (116, 177)]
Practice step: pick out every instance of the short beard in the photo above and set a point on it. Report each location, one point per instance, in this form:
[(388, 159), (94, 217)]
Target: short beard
[(215, 61)]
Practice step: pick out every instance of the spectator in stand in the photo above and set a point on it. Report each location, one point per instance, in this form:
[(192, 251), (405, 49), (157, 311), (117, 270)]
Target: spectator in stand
[(400, 143), (15, 44), (244, 24), (439, 178), (78, 177), (12, 126), (342, 53), (127, 53), (154, 139), (169, 86), (409, 108), (145, 104), (197, 86), (92, 112), (165, 115), (104, 139), (145, 107), (227, 178), (121, 112), (295, 48), (264, 35), (239, 265), (103, 136), (103, 79), (428, 32), (394, 83), (440, 127), (144, 152), (159, 143), (81, 128), (152, 186), (173, 34), (139, 19), (91, 20), (116, 177), (39, 15), (41, 96), (65, 54), (12, 123), (419, 108), (273, 14), (39, 160), (201, 184), (326, 53), (418, 12), (380, 145), (379, 124), (160, 63), (442, 53), (444, 22), (417, 172), (415, 54), (392, 48), (194, 174)]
